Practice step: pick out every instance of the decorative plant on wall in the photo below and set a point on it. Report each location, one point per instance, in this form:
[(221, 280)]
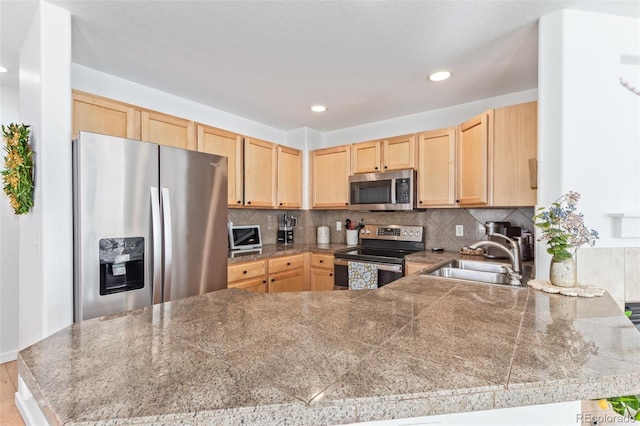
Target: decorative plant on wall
[(17, 176)]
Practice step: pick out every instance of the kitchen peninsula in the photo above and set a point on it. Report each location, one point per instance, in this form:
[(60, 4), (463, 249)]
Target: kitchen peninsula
[(418, 346)]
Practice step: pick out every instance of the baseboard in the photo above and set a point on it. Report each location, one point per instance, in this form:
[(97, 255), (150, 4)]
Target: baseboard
[(28, 407), (8, 356)]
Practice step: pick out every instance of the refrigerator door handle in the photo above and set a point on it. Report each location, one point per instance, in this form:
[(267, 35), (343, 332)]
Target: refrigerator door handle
[(156, 238), (168, 243)]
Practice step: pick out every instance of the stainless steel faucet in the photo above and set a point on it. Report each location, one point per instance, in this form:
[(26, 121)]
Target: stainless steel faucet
[(515, 272)]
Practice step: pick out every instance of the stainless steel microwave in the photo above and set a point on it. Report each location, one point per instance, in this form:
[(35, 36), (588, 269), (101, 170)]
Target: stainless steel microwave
[(383, 191), (244, 237)]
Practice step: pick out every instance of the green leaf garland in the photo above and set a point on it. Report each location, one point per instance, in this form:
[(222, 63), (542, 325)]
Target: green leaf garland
[(17, 176)]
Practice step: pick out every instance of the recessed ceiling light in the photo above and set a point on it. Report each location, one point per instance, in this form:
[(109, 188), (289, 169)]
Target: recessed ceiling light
[(439, 75), (318, 108), (3, 69)]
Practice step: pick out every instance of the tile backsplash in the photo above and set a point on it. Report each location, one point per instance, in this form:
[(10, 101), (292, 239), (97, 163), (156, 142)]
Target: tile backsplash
[(440, 224)]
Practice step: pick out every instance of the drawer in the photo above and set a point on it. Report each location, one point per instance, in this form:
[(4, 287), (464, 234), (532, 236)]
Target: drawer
[(322, 261), (279, 264), (243, 271), (258, 285)]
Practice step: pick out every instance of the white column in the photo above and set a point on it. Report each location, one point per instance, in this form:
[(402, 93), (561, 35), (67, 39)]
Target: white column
[(46, 267)]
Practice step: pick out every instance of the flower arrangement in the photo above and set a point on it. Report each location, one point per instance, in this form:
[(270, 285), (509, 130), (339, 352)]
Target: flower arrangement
[(563, 228), (17, 175)]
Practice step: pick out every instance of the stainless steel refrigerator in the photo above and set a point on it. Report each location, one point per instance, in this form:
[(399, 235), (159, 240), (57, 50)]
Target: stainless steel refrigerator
[(150, 224)]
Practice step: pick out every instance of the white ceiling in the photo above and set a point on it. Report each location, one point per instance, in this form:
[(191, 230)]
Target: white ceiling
[(270, 60)]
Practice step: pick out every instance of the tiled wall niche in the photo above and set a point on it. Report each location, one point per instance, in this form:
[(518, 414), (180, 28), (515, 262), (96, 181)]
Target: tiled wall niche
[(439, 224)]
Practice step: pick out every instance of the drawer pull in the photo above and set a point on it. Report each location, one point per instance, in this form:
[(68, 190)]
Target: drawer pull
[(321, 261), (288, 263), (244, 272)]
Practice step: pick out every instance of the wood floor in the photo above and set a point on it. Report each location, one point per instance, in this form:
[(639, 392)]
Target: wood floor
[(9, 415)]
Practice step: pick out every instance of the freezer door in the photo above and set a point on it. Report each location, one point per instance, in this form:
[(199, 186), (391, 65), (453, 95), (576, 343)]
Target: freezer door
[(113, 180), (194, 206)]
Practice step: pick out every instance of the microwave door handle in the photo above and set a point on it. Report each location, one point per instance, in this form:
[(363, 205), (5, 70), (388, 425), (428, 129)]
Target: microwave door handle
[(393, 192)]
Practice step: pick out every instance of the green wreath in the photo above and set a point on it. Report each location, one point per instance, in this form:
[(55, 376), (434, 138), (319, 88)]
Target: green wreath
[(17, 176)]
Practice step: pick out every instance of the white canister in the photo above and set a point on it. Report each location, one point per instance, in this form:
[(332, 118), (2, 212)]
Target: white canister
[(323, 236)]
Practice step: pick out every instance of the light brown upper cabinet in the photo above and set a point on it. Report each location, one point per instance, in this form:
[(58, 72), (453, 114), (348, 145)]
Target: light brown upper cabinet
[(474, 160), (437, 168), (493, 158), (395, 153), (105, 116), (289, 178), (227, 144), (515, 146), (168, 130), (260, 163), (330, 177)]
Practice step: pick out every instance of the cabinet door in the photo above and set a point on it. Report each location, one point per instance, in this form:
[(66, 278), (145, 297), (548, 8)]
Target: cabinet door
[(367, 157), (289, 178), (168, 130), (257, 285), (399, 153), (321, 279), (515, 142), (227, 144), (436, 168), (105, 116), (259, 173), (287, 281), (330, 178), (474, 153)]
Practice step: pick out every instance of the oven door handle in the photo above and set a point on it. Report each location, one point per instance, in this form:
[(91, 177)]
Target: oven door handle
[(381, 266)]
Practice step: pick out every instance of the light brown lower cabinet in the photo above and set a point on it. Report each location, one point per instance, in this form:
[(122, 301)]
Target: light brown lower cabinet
[(321, 276), (251, 276), (298, 272), (292, 280)]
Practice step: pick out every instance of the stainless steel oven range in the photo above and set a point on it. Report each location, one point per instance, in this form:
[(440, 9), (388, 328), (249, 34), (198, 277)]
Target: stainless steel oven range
[(382, 245)]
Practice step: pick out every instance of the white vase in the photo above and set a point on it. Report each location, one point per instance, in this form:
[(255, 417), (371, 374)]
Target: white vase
[(562, 273)]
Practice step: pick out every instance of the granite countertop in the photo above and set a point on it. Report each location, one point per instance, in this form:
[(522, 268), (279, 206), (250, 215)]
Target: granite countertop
[(273, 250), (418, 346)]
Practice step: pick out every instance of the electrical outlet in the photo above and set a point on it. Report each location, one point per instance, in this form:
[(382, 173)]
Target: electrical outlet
[(459, 230), (338, 226)]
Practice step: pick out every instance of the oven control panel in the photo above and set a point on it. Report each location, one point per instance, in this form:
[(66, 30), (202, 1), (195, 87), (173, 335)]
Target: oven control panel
[(393, 232)]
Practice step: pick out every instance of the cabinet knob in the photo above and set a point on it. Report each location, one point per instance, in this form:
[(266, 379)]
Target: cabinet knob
[(420, 202), (385, 167), (331, 274), (376, 167), (273, 280), (457, 201), (239, 202), (288, 263), (244, 272), (280, 204), (264, 281), (346, 204), (248, 202), (321, 261)]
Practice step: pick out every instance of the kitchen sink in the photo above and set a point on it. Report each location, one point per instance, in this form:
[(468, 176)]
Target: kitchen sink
[(477, 271)]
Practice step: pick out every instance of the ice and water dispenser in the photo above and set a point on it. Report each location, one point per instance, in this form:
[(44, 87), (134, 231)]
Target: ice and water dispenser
[(121, 264)]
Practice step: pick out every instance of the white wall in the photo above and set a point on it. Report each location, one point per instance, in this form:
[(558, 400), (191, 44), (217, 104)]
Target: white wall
[(9, 234), (589, 125), (46, 288)]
